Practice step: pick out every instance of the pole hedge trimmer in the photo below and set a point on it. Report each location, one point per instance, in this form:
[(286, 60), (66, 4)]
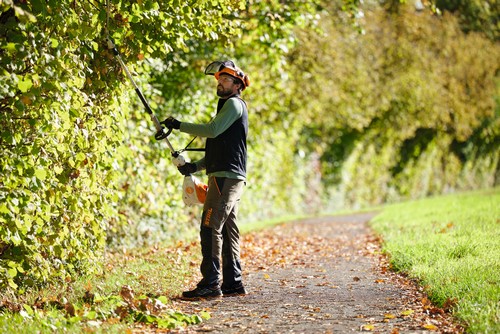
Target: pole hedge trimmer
[(194, 191)]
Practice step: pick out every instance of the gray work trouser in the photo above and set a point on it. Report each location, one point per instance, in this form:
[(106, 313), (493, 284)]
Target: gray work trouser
[(219, 234)]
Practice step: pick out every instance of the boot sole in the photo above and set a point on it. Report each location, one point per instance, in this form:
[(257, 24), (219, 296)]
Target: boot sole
[(234, 294)]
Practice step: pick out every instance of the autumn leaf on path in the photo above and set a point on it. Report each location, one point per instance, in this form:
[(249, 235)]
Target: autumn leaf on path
[(368, 327), (430, 327), (407, 313)]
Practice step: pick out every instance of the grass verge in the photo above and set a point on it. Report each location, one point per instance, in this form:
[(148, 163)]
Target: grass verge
[(135, 291), (451, 245)]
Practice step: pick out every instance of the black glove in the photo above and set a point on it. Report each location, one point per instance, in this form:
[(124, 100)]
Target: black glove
[(187, 169), (171, 123)]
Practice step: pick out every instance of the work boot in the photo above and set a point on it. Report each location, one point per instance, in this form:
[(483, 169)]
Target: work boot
[(237, 290), (202, 293)]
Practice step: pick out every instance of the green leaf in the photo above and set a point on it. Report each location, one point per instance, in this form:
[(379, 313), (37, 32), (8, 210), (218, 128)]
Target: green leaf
[(28, 309), (12, 272), (16, 239), (195, 319), (205, 315), (54, 43), (10, 47), (41, 174), (24, 85), (58, 170), (4, 209), (12, 284), (163, 299), (91, 315), (80, 157), (165, 323), (23, 15)]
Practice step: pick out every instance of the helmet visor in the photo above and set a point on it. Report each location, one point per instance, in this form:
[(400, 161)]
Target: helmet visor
[(213, 68), (217, 66)]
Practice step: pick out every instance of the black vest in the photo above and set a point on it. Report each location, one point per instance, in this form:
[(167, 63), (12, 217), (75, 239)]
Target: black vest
[(228, 151)]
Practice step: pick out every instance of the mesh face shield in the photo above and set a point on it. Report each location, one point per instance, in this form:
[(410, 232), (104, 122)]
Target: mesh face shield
[(218, 67)]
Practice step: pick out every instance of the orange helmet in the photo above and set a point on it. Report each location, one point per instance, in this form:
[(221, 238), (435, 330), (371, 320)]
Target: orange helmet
[(227, 67)]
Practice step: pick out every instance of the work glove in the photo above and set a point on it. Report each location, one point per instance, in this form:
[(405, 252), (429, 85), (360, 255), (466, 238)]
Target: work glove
[(171, 123), (187, 169)]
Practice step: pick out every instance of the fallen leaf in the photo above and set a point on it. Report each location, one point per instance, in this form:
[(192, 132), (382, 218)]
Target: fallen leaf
[(88, 297), (407, 312), (146, 304), (430, 327), (122, 311), (436, 310), (368, 327), (389, 316), (70, 309), (426, 303), (449, 304), (323, 284), (127, 294)]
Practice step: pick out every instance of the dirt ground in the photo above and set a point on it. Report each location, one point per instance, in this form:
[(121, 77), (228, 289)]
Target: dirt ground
[(322, 275)]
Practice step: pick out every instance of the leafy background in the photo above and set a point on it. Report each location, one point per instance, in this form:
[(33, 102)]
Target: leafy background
[(350, 105)]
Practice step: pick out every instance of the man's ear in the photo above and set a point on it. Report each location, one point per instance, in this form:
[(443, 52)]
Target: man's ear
[(240, 88)]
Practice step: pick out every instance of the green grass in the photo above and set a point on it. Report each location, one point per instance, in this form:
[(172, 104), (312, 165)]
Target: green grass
[(451, 245)]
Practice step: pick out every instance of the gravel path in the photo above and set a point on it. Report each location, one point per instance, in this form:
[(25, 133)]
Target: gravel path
[(321, 275)]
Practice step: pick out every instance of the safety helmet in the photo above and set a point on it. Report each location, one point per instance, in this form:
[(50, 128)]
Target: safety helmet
[(228, 67)]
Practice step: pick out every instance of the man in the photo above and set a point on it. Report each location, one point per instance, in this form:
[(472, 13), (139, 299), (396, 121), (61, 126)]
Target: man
[(225, 164)]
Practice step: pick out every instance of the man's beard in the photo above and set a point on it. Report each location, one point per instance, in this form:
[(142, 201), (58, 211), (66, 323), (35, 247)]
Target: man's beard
[(223, 93)]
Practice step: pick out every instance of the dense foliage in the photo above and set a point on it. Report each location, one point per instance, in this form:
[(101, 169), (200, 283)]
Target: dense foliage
[(407, 109), (67, 154), (78, 162), (337, 118)]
